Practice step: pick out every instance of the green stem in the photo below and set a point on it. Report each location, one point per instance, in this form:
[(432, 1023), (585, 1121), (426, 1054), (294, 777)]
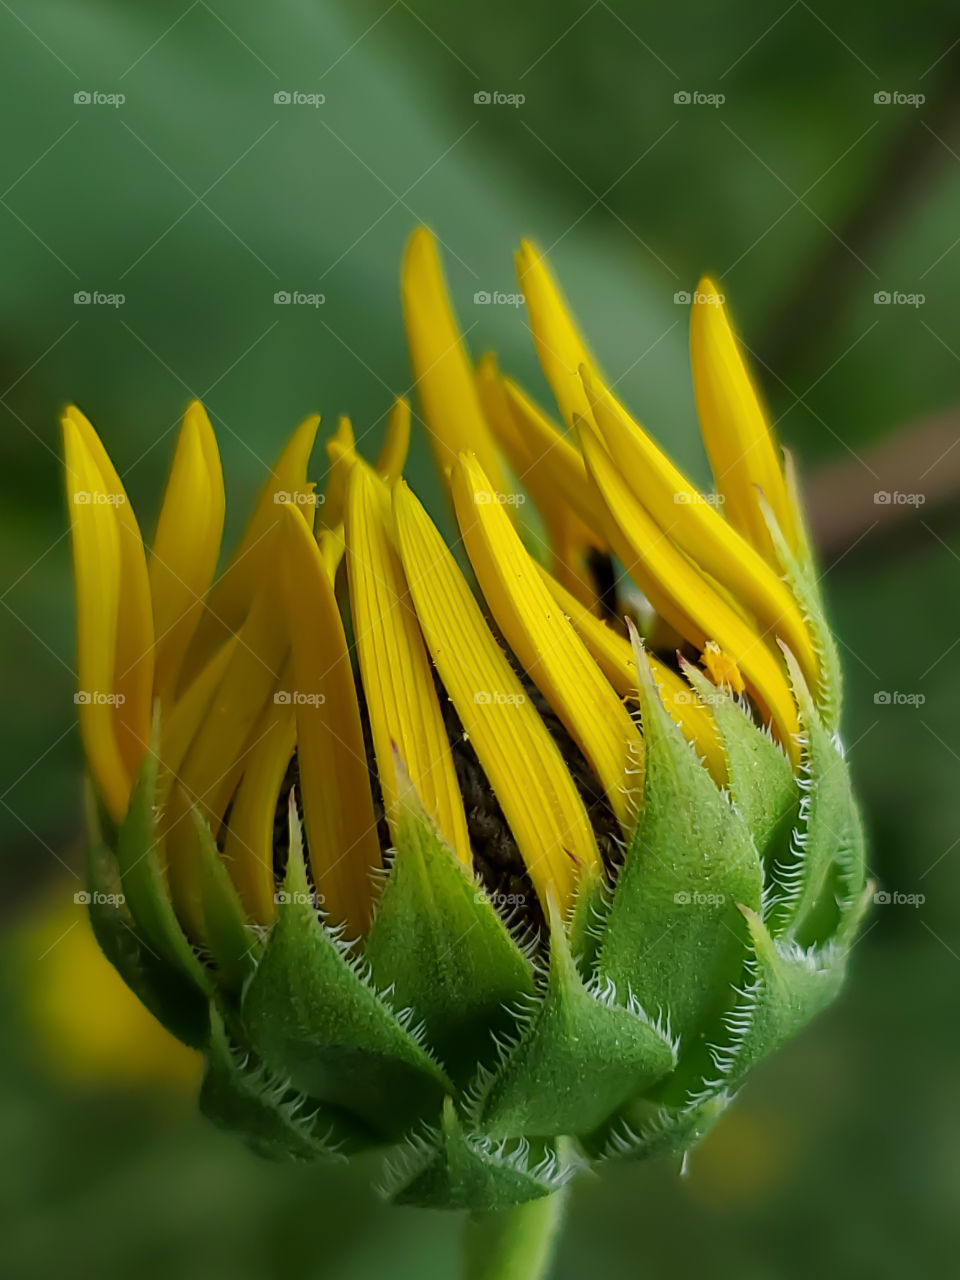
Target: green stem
[(513, 1244)]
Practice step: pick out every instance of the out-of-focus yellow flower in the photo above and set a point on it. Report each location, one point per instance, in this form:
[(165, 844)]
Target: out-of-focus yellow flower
[(89, 1027)]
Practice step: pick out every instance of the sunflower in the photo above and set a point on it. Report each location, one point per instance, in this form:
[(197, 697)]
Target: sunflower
[(517, 851)]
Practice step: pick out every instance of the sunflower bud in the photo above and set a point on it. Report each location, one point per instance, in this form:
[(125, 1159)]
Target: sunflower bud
[(467, 867)]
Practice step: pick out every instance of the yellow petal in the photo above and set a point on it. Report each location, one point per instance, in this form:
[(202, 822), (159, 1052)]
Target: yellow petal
[(614, 655), (215, 760), (393, 456), (684, 514), (335, 786), (739, 442), (181, 724), (401, 700), (236, 587), (546, 645), (340, 451), (560, 348), (96, 577), (679, 591), (515, 750), (721, 668), (133, 679), (558, 458), (183, 558), (248, 847), (571, 539), (441, 366)]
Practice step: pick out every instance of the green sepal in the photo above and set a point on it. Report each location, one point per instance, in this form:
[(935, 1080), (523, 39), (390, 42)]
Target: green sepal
[(824, 871), (587, 914), (172, 998), (448, 1168), (578, 1057), (645, 1131), (233, 942), (441, 947), (785, 988), (144, 884), (313, 1016), (240, 1095), (760, 778), (799, 571), (674, 937)]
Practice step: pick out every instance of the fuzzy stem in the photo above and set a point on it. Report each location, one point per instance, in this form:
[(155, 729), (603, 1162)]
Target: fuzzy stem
[(513, 1244)]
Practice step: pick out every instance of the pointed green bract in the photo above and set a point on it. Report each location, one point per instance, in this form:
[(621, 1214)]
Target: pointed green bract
[(761, 780), (578, 1057), (823, 874), (674, 937), (440, 946), (173, 999), (785, 988), (313, 1016), (143, 880), (240, 1095), (646, 1131), (449, 1168), (233, 941), (800, 575)]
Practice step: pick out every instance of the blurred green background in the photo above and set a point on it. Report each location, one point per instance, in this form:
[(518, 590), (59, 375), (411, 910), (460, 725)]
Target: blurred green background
[(199, 198)]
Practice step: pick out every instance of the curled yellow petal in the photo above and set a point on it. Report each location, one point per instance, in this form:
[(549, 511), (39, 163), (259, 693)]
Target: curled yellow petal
[(681, 594), (695, 525), (214, 762), (560, 348), (133, 678), (545, 643), (614, 654), (334, 782), (401, 700), (738, 439), (97, 577), (393, 456), (248, 847), (536, 454), (522, 762), (235, 589), (183, 558), (441, 366)]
